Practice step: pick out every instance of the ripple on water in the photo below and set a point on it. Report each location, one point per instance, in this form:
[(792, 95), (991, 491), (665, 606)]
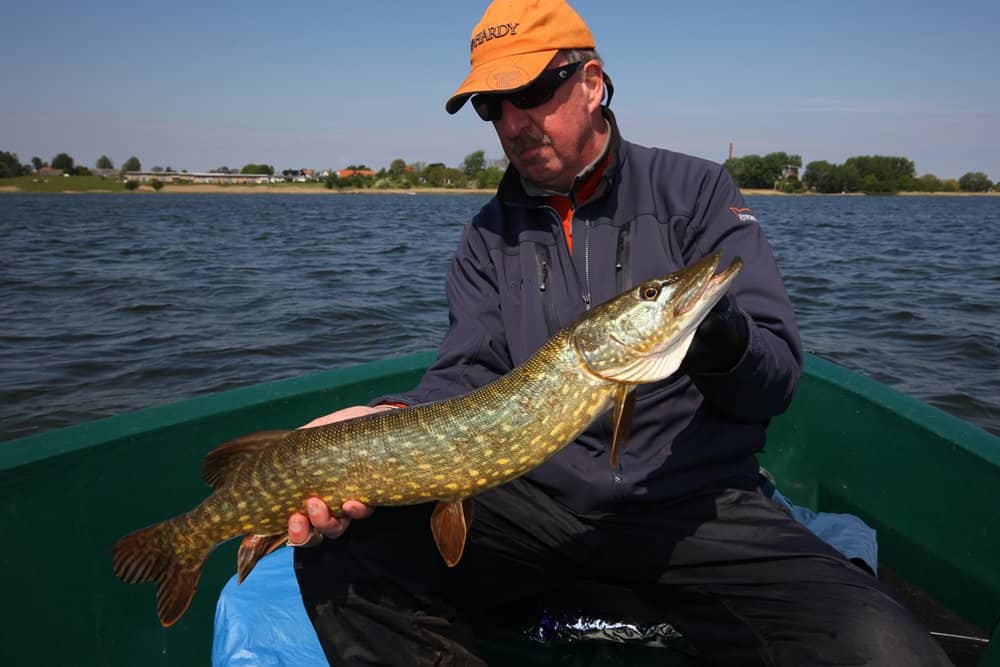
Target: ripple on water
[(113, 303)]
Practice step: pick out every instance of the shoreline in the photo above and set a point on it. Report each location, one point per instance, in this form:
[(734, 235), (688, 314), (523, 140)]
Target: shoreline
[(172, 189), (902, 193)]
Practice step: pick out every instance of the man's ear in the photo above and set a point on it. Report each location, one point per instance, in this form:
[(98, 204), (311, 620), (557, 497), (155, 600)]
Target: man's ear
[(593, 81)]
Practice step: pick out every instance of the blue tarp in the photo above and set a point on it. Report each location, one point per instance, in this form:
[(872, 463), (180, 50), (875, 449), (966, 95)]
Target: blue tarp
[(263, 622), (845, 532)]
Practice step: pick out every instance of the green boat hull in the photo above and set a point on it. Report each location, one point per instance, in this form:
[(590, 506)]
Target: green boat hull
[(925, 480)]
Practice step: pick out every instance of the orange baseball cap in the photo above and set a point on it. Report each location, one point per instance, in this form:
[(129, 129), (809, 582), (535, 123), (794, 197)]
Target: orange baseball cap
[(513, 43)]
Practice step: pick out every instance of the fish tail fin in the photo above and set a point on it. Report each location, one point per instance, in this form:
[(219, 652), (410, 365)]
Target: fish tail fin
[(156, 554)]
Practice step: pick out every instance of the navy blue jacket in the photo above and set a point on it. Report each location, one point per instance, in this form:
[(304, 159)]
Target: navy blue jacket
[(513, 282)]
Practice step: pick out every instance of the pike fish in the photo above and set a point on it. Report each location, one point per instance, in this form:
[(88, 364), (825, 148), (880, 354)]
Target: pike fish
[(447, 451)]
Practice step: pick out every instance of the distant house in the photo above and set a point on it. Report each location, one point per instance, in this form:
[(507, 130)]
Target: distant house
[(297, 175), (49, 171)]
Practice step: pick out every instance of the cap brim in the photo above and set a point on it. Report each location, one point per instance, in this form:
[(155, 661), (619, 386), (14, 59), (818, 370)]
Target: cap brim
[(500, 75)]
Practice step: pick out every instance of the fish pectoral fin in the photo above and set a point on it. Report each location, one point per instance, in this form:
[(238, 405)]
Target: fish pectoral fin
[(621, 418), (252, 549), (220, 463), (450, 523)]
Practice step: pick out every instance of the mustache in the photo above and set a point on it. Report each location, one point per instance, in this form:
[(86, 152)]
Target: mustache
[(528, 139)]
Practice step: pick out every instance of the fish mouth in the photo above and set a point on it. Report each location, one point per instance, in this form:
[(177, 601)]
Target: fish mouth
[(708, 286)]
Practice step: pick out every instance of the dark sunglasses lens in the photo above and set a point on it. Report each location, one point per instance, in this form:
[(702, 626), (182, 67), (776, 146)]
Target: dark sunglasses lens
[(487, 106), (538, 93)]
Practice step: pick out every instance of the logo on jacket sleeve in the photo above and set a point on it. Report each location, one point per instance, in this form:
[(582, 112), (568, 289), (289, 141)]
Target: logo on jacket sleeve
[(743, 214)]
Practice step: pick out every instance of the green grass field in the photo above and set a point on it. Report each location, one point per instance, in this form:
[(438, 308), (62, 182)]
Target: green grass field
[(35, 183), (63, 184)]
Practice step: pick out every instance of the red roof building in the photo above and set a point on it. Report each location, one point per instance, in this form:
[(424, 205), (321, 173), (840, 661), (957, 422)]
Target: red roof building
[(347, 173)]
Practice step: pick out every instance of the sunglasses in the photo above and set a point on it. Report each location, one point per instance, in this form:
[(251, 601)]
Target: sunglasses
[(489, 106)]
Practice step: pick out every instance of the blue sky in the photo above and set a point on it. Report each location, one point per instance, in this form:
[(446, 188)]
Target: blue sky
[(200, 85)]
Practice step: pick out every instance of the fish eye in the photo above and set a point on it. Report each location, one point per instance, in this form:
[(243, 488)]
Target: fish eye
[(649, 291)]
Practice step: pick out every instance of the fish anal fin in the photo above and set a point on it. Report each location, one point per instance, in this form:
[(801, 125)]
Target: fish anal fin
[(450, 523), (621, 418), (220, 463), (252, 549)]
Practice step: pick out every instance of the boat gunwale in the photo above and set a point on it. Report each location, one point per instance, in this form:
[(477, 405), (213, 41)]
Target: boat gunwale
[(935, 421)]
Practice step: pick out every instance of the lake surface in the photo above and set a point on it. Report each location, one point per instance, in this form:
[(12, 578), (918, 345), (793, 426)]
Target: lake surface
[(111, 303)]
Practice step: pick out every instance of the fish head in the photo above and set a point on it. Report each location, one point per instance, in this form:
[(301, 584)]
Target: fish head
[(643, 334)]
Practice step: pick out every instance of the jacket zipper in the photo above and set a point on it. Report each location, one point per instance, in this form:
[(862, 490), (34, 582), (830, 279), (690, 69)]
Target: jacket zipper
[(543, 263), (617, 485), (623, 280), (586, 266)]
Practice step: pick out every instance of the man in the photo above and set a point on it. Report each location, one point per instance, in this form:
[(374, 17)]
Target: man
[(581, 215)]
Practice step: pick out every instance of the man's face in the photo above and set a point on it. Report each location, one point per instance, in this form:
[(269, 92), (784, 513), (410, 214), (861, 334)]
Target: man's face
[(551, 143)]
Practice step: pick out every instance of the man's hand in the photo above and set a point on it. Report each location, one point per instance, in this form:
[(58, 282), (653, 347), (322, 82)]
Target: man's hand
[(308, 531), (346, 413), (720, 341)]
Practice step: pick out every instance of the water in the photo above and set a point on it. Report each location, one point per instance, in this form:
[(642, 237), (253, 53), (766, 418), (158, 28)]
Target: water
[(903, 289), (110, 303)]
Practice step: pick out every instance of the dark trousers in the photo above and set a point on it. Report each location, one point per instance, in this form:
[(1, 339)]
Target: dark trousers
[(743, 581)]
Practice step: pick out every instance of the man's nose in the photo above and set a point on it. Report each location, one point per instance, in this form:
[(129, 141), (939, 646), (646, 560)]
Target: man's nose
[(512, 120)]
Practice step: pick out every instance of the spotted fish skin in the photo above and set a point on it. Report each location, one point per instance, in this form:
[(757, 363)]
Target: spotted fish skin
[(447, 451)]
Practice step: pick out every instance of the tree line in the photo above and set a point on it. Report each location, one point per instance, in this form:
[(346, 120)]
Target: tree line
[(475, 171), (11, 166), (870, 174)]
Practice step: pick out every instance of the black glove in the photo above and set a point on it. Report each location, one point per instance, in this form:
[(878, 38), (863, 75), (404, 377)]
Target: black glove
[(720, 340)]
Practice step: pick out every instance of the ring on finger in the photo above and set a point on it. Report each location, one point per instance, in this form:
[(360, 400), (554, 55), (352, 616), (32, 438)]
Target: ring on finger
[(315, 537)]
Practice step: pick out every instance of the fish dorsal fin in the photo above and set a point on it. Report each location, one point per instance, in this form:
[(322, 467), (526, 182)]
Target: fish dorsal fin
[(220, 463), (252, 549), (450, 524), (621, 419)]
